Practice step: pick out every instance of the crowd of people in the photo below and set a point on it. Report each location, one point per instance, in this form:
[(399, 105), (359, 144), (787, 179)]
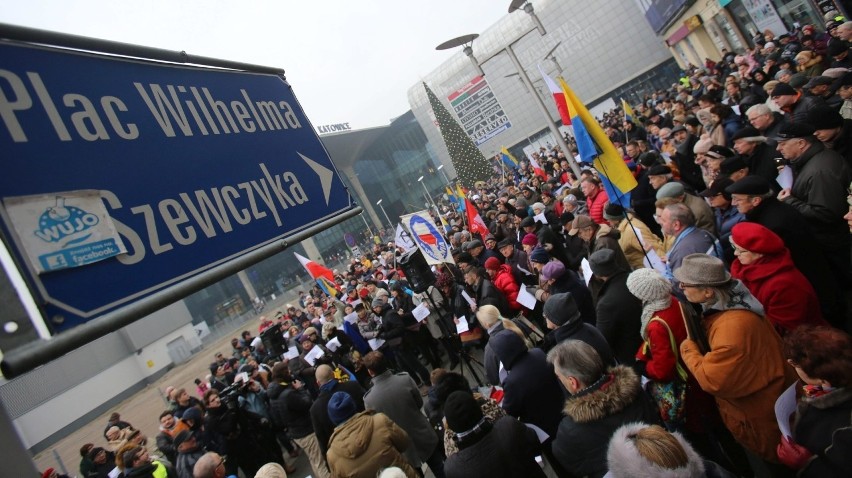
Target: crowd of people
[(651, 338)]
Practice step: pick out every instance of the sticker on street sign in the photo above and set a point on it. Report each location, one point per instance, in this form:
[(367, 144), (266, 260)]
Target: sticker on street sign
[(194, 166)]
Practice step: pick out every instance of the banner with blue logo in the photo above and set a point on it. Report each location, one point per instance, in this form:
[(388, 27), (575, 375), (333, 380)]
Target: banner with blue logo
[(122, 177), (428, 237)]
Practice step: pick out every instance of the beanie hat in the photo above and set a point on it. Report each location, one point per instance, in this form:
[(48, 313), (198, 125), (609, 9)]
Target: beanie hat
[(756, 238), (603, 263), (613, 212), (527, 222), (783, 89), (462, 411), (561, 308), (47, 473), (191, 413), (540, 255), (377, 302), (530, 240), (492, 264), (824, 117), (553, 270), (566, 218), (271, 470), (341, 407), (648, 285)]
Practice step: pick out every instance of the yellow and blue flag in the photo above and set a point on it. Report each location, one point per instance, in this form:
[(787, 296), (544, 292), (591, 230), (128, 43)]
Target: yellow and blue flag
[(595, 147), (507, 158), (628, 113)]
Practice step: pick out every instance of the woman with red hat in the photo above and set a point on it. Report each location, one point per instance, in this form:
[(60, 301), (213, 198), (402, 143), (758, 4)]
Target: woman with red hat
[(764, 266)]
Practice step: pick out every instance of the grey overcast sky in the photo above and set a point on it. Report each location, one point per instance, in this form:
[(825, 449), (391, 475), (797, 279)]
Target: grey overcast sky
[(348, 61)]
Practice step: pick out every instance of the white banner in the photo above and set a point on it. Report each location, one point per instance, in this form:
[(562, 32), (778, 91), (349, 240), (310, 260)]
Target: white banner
[(428, 237), (403, 240)]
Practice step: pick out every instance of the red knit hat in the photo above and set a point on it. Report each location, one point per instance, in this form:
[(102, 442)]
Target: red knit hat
[(47, 473), (492, 264), (530, 240), (756, 238)]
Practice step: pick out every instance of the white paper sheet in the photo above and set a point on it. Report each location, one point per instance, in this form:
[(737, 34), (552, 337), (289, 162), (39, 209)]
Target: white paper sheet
[(291, 353), (351, 318), (462, 326), (587, 270), (287, 335), (256, 341), (420, 312), (785, 406), (541, 434), (540, 218), (653, 261), (375, 343), (312, 356), (785, 178), (468, 299), (333, 344), (525, 298)]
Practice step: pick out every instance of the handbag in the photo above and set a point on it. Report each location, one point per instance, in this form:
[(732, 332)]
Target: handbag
[(670, 396)]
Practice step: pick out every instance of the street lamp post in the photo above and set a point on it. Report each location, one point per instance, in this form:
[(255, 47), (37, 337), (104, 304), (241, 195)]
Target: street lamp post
[(467, 40), (444, 173), (435, 205), (379, 203)]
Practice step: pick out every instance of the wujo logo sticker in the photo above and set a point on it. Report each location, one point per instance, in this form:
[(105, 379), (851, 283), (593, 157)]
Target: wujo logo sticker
[(64, 230)]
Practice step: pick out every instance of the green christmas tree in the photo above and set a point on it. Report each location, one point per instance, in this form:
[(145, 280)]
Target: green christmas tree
[(469, 162)]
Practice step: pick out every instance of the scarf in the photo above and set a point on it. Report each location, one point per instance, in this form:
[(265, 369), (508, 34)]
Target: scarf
[(328, 385), (649, 309), (813, 391), (739, 297)]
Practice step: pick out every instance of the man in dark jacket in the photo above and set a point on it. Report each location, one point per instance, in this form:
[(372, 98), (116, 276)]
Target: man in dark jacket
[(328, 385), (643, 196), (556, 279), (619, 312), (833, 131), (531, 391), (759, 156), (684, 158), (794, 104), (395, 331), (290, 408), (601, 401), (820, 179), (566, 323), (504, 449), (189, 450), (484, 292)]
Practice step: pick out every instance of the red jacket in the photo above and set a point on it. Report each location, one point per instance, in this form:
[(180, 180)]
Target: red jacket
[(505, 283), (660, 359), (786, 295), (595, 206)]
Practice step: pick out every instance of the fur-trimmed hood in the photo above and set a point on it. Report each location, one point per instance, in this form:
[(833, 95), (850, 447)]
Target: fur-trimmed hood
[(624, 459), (607, 397)]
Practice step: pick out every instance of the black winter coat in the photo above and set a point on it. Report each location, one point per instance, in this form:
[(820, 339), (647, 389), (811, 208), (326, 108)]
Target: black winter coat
[(619, 316), (823, 425), (532, 392), (593, 415), (290, 409), (507, 451)]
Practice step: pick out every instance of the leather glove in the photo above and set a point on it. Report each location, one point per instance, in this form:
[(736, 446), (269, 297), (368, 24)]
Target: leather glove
[(792, 454)]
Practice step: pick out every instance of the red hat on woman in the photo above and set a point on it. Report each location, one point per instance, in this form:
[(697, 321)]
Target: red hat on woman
[(530, 240), (756, 238)]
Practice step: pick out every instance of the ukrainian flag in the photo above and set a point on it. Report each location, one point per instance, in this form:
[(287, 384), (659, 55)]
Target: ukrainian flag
[(594, 145), (507, 158), (628, 113)]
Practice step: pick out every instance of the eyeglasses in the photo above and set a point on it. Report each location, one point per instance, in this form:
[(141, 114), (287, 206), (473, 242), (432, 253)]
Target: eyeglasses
[(685, 286)]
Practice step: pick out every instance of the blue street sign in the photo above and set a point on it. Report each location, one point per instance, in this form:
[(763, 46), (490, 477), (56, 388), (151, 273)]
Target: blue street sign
[(194, 166)]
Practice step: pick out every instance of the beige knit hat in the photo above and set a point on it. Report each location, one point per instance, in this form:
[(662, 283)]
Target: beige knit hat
[(271, 470)]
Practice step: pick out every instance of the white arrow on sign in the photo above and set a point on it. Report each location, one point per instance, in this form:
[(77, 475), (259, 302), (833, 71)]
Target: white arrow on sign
[(325, 175)]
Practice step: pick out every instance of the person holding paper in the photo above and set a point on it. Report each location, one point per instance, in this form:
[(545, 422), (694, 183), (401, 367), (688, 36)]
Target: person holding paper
[(635, 237), (820, 178), (821, 445), (399, 339), (484, 291)]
